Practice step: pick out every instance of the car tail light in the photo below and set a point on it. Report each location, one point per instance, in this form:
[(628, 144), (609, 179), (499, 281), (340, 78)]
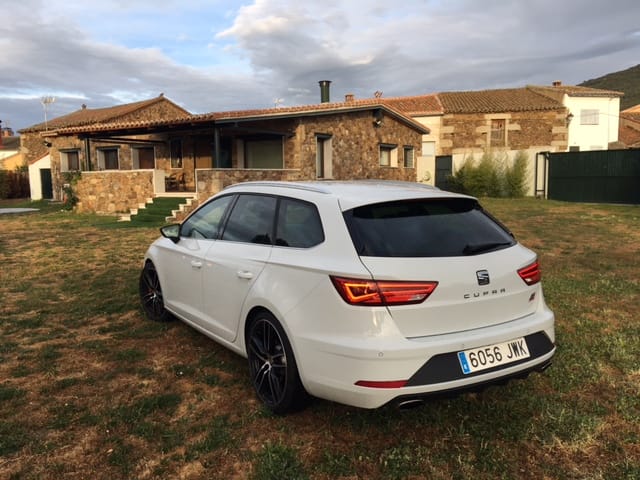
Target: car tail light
[(381, 384), (531, 274), (356, 291)]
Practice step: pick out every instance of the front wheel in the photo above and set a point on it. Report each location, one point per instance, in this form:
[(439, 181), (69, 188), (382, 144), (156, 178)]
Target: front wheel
[(272, 367), (151, 294)]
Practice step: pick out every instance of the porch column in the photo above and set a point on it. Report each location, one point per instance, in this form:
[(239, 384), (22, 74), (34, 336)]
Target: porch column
[(87, 152), (216, 148)]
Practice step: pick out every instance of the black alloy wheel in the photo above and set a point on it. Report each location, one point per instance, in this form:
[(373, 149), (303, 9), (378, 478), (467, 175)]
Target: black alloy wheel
[(151, 294), (272, 367)]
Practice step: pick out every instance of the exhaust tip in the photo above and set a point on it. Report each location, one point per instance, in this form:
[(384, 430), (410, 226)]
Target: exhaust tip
[(409, 404)]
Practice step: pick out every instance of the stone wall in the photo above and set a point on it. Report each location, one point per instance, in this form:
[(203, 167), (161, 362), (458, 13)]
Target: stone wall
[(355, 146), (524, 130), (113, 191), (211, 181)]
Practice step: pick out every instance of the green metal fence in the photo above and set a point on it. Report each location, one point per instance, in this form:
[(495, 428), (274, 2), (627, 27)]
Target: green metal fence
[(607, 176)]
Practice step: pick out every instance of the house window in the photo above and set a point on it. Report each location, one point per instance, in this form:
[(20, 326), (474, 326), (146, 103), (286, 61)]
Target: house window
[(176, 153), (408, 157), (264, 154), (590, 116), (108, 159), (69, 160), (143, 158), (498, 132), (388, 155), (323, 156)]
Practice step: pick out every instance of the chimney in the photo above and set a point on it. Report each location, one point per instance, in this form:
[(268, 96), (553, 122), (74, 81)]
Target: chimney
[(557, 83), (349, 98), (324, 90)]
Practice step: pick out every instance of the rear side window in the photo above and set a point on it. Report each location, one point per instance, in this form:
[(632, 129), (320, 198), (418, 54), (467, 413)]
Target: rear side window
[(299, 224), (251, 220), (425, 228)]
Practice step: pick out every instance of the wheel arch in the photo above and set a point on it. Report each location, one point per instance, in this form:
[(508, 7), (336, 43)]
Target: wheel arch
[(252, 314)]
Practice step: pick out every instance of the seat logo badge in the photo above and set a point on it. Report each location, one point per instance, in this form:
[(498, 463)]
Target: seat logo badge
[(483, 277)]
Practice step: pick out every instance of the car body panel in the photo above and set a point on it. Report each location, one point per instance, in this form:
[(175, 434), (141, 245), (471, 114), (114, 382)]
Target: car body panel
[(459, 303)]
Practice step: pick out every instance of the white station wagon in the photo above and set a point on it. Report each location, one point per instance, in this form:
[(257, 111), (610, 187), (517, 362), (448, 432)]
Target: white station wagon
[(363, 292)]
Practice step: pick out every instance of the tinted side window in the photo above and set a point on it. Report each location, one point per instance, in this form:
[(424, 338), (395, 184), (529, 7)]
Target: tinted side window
[(298, 224), (425, 228), (251, 220), (205, 222)]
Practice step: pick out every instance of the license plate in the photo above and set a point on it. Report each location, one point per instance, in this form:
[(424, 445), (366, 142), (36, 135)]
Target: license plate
[(478, 359)]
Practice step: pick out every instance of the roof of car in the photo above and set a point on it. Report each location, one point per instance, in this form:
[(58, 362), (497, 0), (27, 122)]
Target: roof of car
[(354, 193)]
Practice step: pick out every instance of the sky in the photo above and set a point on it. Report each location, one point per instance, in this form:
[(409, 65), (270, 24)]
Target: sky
[(214, 55)]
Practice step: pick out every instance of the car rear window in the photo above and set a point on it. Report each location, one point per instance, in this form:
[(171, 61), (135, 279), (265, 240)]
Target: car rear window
[(442, 227)]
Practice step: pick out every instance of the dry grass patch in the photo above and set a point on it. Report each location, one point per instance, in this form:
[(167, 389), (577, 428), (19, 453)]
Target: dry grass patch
[(90, 389)]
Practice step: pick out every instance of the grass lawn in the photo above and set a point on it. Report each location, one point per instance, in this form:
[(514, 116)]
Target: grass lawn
[(90, 389)]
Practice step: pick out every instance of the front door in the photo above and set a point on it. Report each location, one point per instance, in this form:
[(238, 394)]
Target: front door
[(45, 183)]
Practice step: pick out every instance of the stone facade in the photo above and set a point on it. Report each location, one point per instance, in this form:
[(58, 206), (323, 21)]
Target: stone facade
[(210, 182), (353, 136), (114, 191), (471, 133)]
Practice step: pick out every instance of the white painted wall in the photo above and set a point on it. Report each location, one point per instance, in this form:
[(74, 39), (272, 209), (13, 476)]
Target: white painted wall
[(593, 137), (426, 162), (508, 155), (34, 176)]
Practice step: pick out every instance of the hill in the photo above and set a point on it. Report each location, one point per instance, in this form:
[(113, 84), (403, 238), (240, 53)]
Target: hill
[(627, 81)]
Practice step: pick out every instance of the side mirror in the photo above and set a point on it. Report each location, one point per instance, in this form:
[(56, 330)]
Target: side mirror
[(172, 232)]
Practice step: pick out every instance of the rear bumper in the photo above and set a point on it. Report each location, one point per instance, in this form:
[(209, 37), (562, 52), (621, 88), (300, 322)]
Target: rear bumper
[(330, 367)]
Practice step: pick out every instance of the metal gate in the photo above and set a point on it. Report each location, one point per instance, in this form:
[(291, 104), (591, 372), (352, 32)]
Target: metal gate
[(444, 169), (607, 176)]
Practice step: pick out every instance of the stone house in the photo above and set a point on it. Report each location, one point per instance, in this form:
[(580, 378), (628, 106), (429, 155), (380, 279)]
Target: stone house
[(467, 124), (531, 119), (135, 152)]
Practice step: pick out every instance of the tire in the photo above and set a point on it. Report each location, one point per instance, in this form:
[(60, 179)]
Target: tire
[(151, 294), (272, 366)]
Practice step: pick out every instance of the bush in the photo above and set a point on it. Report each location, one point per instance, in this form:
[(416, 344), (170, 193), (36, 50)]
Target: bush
[(515, 176), (492, 176)]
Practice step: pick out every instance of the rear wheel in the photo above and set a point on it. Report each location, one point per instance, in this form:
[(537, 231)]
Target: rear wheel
[(272, 367), (151, 294)]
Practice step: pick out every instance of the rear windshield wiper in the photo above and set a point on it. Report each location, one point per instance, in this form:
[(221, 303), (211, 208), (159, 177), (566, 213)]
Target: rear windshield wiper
[(470, 249)]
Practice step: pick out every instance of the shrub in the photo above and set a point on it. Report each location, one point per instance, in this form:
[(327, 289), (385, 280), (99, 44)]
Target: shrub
[(515, 176), (491, 176), (69, 198)]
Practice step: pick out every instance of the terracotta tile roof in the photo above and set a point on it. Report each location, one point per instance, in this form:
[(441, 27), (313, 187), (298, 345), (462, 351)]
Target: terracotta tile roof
[(630, 137), (89, 116), (575, 91), (632, 116), (497, 101), (10, 143), (245, 115), (632, 110), (418, 105)]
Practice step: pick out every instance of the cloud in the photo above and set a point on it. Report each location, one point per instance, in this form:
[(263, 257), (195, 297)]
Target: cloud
[(220, 55)]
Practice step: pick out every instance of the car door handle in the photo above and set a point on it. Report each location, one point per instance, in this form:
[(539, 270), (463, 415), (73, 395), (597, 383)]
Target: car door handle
[(196, 264), (245, 274)]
